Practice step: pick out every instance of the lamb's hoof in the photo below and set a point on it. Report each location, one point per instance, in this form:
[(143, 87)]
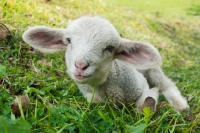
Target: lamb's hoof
[(151, 103), (186, 111)]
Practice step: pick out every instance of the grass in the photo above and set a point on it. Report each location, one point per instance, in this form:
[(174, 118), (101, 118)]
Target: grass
[(56, 103)]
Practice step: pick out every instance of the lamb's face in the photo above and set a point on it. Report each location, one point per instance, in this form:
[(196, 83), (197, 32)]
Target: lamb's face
[(91, 48)]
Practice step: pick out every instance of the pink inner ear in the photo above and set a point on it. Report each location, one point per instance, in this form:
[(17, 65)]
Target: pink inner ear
[(40, 35), (135, 56), (55, 44), (144, 54), (48, 41), (128, 57)]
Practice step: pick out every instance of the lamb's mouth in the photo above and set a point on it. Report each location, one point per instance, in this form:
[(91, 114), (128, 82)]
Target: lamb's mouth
[(81, 77)]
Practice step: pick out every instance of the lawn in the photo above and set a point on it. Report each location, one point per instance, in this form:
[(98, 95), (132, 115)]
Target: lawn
[(56, 105)]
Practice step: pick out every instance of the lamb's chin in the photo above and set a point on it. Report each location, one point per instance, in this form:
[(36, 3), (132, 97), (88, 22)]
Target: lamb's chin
[(81, 79)]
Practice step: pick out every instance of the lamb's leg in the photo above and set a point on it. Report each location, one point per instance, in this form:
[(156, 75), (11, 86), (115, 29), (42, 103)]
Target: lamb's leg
[(156, 78), (152, 99), (148, 98), (92, 98), (90, 94)]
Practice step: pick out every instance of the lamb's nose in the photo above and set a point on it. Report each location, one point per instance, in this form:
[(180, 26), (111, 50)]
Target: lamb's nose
[(81, 65)]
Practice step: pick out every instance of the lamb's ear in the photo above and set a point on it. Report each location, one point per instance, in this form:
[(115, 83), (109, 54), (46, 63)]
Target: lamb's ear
[(141, 54), (45, 39)]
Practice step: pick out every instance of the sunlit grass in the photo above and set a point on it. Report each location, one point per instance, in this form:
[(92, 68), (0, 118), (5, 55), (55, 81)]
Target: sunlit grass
[(164, 7)]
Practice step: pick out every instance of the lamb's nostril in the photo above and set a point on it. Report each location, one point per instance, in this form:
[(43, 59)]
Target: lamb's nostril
[(85, 67), (81, 65)]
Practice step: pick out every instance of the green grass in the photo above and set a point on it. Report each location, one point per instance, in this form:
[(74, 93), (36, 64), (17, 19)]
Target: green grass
[(56, 103), (165, 7)]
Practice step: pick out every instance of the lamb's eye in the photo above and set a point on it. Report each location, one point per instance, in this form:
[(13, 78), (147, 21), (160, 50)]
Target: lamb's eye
[(68, 40), (109, 48)]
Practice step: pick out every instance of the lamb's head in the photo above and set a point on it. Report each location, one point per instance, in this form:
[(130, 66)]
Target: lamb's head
[(91, 44), (91, 50)]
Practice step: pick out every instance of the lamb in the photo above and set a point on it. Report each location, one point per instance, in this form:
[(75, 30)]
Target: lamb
[(105, 66)]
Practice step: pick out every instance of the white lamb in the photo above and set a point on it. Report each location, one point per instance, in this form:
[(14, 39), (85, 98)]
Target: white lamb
[(106, 66)]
